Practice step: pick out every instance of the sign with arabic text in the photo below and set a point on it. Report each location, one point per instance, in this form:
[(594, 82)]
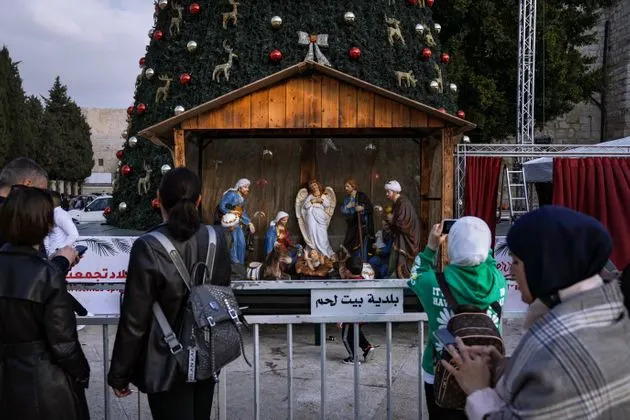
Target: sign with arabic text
[(335, 302), (105, 260)]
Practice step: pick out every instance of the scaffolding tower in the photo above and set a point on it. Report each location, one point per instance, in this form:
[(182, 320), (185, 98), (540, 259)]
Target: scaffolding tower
[(526, 71)]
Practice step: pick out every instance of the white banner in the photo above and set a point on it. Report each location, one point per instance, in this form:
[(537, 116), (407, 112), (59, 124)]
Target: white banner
[(513, 302), (107, 258), (105, 261), (335, 302)]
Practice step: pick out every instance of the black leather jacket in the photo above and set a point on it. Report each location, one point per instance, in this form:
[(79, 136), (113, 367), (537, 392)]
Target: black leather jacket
[(140, 354), (43, 371)]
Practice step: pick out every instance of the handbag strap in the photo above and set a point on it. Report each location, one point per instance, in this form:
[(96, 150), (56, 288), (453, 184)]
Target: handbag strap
[(450, 299), (446, 291), (169, 336)]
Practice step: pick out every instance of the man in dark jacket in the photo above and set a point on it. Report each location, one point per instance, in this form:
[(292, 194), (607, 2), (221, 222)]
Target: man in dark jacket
[(357, 207)]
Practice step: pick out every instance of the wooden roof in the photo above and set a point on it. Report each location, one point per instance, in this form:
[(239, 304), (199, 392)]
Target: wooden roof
[(308, 99)]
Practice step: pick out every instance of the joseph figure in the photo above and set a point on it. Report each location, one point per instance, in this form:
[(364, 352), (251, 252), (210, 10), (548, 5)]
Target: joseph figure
[(357, 209), (405, 228)]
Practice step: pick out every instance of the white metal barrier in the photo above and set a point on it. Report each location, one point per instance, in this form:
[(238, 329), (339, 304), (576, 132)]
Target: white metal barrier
[(220, 406)]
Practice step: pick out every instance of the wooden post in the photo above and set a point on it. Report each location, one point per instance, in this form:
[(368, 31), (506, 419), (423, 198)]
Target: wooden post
[(180, 148), (308, 161), (448, 143)]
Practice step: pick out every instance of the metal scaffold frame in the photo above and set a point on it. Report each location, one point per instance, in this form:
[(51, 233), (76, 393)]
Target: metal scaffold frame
[(525, 152), (526, 71)]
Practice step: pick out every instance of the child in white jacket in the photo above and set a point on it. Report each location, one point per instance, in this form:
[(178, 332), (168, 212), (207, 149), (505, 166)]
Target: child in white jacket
[(64, 232)]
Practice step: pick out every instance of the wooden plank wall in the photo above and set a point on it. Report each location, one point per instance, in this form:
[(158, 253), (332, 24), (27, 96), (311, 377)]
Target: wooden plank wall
[(312, 101)]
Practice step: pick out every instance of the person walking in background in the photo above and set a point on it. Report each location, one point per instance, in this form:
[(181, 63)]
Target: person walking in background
[(64, 231), (43, 371), (352, 271), (572, 363), (141, 356), (472, 277)]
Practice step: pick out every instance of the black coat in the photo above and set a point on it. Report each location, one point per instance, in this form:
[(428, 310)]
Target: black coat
[(140, 354), (43, 371)]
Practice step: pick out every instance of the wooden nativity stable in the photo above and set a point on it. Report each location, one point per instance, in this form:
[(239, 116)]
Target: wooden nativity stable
[(270, 131)]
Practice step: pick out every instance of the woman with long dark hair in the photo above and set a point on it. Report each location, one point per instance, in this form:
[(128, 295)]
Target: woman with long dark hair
[(43, 371), (141, 356)]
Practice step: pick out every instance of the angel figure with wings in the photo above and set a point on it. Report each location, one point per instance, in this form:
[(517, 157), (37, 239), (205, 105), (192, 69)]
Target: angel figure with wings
[(314, 209)]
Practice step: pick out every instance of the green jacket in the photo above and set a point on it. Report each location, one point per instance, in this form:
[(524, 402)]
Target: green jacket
[(479, 285)]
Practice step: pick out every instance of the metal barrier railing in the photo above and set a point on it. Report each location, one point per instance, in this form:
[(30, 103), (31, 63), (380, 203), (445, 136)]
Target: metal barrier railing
[(220, 404)]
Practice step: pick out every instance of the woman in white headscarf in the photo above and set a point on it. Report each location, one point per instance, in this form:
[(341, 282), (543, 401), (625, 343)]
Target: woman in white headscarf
[(473, 279)]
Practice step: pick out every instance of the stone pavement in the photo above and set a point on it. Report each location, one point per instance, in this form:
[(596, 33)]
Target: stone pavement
[(306, 375)]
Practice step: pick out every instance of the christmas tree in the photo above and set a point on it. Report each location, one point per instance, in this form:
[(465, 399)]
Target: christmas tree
[(201, 50)]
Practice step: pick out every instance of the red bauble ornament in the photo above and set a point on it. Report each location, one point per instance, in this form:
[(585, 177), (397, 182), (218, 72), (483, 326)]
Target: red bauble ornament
[(125, 170), (158, 34), (429, 3), (194, 8), (155, 203), (354, 53), (130, 110), (141, 108), (461, 114), (275, 55), (184, 78), (445, 58), (120, 154), (142, 61), (107, 211), (426, 53), (442, 109), (412, 2)]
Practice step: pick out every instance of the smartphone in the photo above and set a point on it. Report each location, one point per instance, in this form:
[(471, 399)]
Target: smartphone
[(447, 225), (80, 249), (445, 337)]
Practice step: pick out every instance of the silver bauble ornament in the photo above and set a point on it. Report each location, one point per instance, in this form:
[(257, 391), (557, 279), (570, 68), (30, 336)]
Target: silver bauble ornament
[(149, 73), (453, 87), (191, 46), (124, 134), (437, 28), (122, 207), (165, 168), (434, 86), (151, 32), (133, 141), (162, 4), (349, 17), (178, 110), (276, 22), (465, 139), (420, 28)]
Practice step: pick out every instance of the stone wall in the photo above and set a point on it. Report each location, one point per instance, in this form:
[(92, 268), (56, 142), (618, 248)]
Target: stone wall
[(583, 123), (106, 126)]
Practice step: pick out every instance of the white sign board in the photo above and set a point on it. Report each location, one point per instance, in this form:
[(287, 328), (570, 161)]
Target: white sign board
[(105, 261), (335, 302), (513, 302)]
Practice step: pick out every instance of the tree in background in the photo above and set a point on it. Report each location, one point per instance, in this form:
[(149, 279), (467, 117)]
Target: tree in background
[(57, 136), (17, 129), (483, 37), (65, 131), (202, 50)]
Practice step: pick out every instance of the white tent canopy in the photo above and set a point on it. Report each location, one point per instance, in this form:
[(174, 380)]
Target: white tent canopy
[(541, 169)]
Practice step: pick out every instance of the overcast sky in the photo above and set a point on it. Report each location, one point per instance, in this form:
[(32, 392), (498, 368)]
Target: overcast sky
[(93, 45)]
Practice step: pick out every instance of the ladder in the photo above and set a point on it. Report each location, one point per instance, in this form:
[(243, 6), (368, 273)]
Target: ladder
[(517, 193)]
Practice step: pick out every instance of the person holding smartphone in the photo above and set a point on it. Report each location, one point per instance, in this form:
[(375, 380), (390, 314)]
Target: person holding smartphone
[(472, 277), (43, 370)]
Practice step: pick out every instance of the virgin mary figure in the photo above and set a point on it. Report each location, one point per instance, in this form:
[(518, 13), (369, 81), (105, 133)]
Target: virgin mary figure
[(314, 209)]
